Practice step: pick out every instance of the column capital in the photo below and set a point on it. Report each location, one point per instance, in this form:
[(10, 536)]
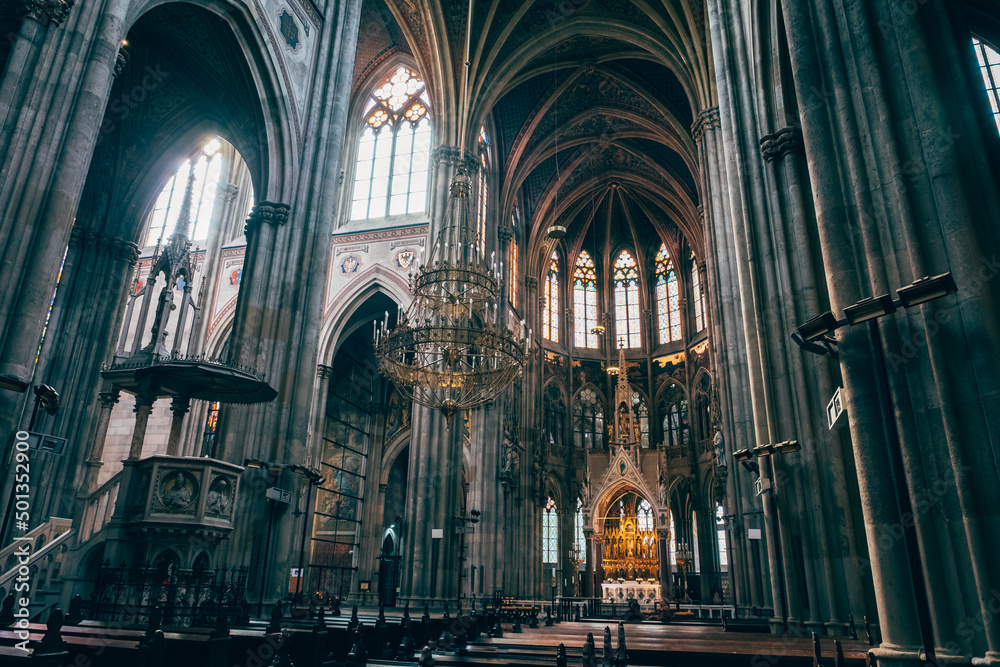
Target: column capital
[(452, 155), (104, 245), (505, 233), (323, 371), (272, 213), (531, 282), (143, 402), (179, 405), (108, 399), (706, 120), (776, 146), (46, 11)]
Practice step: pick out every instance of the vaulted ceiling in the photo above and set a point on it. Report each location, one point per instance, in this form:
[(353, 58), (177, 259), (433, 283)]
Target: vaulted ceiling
[(591, 104)]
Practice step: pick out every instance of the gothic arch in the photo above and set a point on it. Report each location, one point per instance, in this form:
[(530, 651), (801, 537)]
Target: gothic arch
[(274, 178), (342, 316)]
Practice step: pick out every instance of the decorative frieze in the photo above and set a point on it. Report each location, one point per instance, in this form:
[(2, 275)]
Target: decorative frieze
[(706, 120), (776, 146), (46, 11), (271, 213)]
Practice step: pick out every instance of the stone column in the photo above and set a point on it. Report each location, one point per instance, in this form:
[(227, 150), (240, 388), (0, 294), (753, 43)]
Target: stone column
[(52, 98), (663, 546), (85, 319), (143, 408), (107, 401), (179, 407)]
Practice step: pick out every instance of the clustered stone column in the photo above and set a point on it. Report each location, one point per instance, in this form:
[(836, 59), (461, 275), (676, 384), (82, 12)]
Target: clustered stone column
[(278, 316), (39, 197)]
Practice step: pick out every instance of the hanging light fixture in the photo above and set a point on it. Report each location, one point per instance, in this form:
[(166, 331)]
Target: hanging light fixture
[(452, 350)]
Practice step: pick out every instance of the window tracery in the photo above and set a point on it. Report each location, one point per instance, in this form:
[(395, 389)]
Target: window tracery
[(550, 317), (391, 172), (627, 299), (550, 537), (667, 297), (989, 66), (585, 300)]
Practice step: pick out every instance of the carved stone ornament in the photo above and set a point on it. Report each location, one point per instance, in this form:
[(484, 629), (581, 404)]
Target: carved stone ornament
[(46, 11), (267, 212), (781, 143)]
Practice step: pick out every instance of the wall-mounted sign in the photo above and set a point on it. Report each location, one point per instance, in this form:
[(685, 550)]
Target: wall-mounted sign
[(753, 533), (437, 533), (364, 586)]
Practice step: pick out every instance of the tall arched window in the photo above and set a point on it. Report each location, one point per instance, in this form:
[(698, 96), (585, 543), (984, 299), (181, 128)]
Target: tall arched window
[(694, 541), (627, 299), (720, 534), (484, 143), (668, 300), (588, 420), (580, 541), (585, 300), (989, 65), (644, 515), (550, 318), (698, 294), (207, 169), (550, 533), (394, 149), (512, 281), (673, 540)]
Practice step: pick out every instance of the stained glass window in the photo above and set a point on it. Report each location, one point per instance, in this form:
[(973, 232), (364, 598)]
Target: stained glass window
[(207, 169), (989, 65), (673, 540), (668, 308), (627, 299), (644, 515), (588, 420), (694, 541), (211, 425), (550, 318), (481, 207), (699, 295), (550, 533), (585, 300), (720, 533), (391, 172), (581, 541), (513, 273)]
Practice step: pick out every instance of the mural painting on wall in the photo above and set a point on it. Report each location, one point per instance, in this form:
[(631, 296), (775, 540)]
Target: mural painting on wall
[(399, 415), (230, 279)]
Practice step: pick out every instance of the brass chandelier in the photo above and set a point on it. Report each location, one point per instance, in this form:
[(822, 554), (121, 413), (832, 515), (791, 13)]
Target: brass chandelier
[(452, 349)]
